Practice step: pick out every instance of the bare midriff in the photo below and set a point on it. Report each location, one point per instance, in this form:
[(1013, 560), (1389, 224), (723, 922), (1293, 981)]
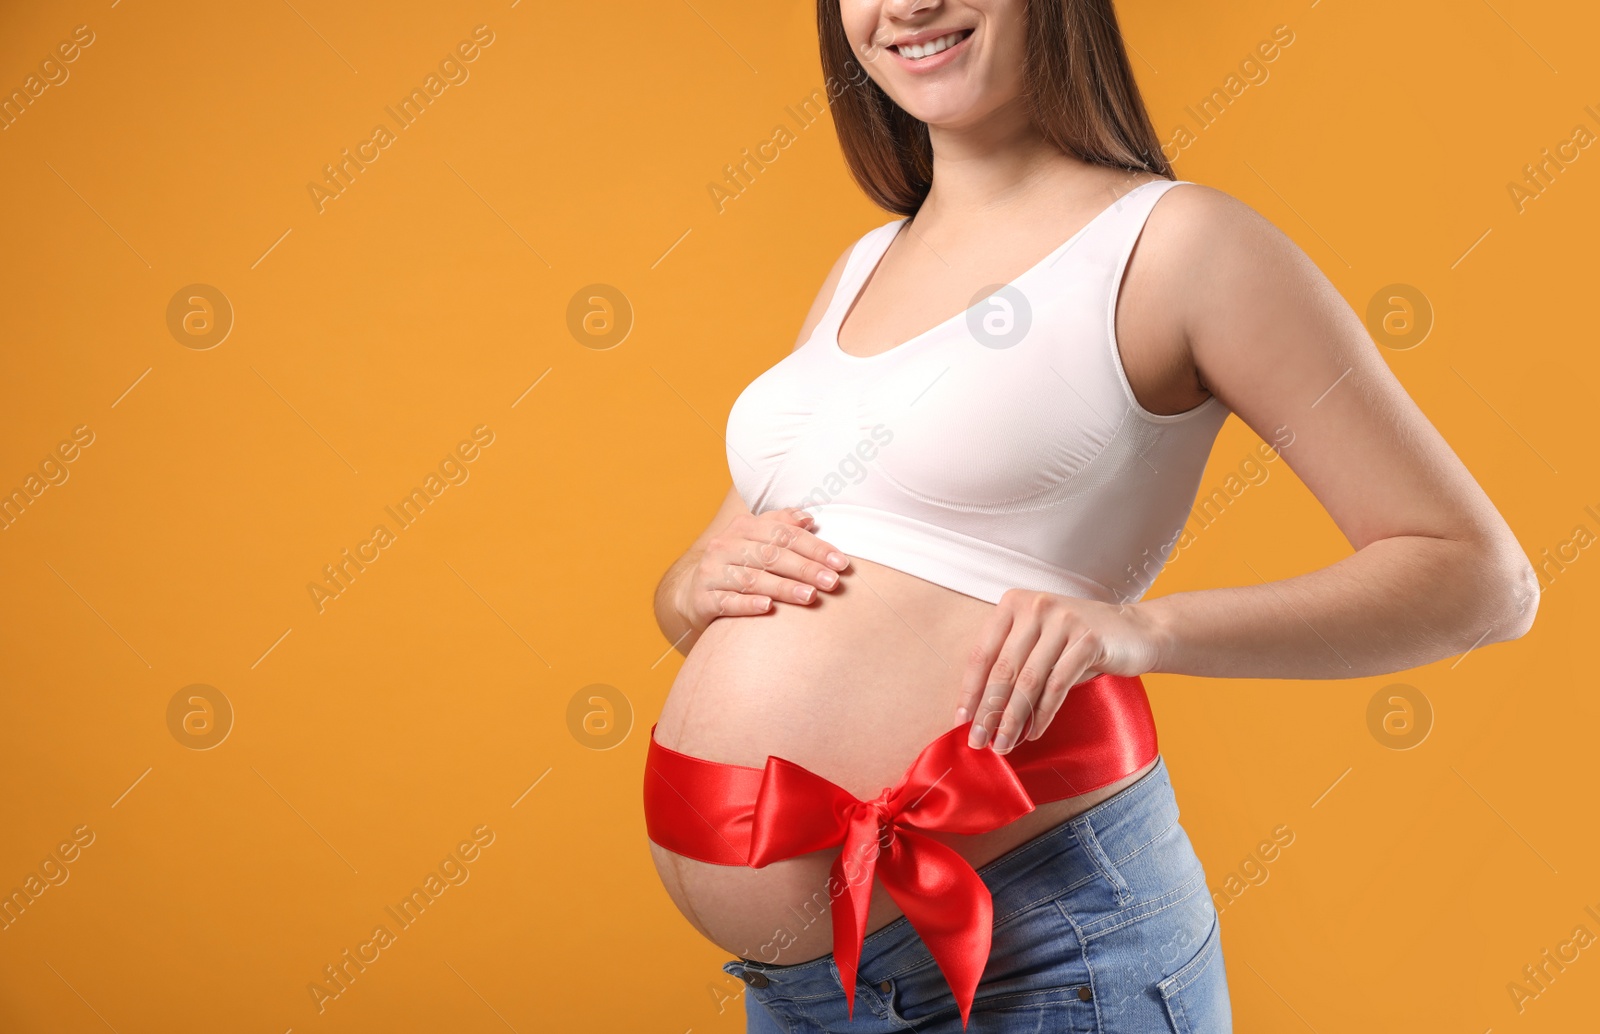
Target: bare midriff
[(852, 687)]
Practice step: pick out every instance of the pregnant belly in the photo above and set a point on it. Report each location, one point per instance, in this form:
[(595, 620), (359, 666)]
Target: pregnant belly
[(852, 688)]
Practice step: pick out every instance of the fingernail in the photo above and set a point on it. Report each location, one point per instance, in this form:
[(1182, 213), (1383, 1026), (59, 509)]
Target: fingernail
[(836, 560), (803, 593), (828, 579), (1002, 742), (979, 737), (961, 715)]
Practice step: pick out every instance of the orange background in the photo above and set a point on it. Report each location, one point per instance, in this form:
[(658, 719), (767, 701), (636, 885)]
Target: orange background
[(433, 697)]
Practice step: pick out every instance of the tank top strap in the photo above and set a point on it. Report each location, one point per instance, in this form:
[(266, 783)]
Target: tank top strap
[(1128, 215), (864, 256)]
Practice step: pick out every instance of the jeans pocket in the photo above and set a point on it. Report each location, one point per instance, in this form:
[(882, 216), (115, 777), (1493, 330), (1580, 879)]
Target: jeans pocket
[(1035, 972), (1065, 1006), (1196, 996)]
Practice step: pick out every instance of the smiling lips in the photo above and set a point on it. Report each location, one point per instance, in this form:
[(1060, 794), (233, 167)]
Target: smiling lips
[(928, 48)]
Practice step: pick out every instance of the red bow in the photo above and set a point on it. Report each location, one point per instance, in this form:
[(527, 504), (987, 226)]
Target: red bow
[(951, 787)]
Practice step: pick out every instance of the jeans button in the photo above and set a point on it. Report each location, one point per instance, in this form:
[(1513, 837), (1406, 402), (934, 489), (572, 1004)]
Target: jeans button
[(755, 978), (1084, 994), (886, 987)]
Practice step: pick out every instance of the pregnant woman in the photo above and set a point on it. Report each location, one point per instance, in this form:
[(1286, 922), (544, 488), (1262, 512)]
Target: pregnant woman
[(908, 773)]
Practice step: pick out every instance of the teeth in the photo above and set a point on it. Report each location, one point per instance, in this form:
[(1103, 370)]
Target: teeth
[(917, 51)]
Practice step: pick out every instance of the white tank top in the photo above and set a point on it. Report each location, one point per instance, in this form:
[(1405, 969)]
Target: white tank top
[(1001, 449)]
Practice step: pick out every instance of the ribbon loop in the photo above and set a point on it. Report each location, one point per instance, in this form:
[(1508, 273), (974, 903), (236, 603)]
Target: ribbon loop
[(949, 788)]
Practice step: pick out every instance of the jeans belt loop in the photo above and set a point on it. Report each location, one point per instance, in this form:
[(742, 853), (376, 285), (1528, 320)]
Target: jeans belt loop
[(1083, 829)]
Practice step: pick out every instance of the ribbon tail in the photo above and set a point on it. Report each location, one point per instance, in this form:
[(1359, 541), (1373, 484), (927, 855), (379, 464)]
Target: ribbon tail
[(850, 926), (949, 906), (850, 909)]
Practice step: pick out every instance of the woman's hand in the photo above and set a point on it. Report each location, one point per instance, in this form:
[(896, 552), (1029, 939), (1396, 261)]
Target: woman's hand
[(755, 560), (1036, 646)]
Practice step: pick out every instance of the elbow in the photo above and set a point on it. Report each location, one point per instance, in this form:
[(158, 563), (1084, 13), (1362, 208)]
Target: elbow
[(1516, 590)]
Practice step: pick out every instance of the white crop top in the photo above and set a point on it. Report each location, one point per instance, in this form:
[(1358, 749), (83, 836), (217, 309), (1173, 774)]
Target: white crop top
[(1001, 449)]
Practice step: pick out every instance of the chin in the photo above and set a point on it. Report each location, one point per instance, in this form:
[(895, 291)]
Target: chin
[(945, 114)]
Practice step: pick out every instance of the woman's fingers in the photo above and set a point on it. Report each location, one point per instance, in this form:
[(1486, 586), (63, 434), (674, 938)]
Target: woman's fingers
[(783, 574), (784, 548), (1023, 714), (999, 688), (1070, 668), (807, 546), (975, 677), (1029, 654), (743, 578), (738, 604), (770, 557)]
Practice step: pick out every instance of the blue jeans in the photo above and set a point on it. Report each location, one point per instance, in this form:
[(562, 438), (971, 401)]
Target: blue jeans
[(1102, 924)]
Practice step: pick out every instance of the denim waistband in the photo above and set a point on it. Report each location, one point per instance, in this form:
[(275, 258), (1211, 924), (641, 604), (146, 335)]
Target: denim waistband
[(1076, 851)]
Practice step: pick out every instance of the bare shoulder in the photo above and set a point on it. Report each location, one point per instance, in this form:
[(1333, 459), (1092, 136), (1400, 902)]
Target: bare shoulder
[(1170, 284), (1273, 338), (1194, 226), (1221, 260)]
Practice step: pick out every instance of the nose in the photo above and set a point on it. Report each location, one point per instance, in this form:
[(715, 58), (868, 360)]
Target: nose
[(907, 8)]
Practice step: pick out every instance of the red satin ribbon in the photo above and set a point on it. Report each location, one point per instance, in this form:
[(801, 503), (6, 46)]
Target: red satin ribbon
[(738, 815)]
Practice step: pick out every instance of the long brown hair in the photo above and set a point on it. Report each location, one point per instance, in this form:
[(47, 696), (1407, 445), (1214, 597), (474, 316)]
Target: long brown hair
[(1078, 82)]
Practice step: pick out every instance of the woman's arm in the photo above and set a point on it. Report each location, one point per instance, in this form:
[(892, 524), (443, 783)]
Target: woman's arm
[(1435, 572)]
